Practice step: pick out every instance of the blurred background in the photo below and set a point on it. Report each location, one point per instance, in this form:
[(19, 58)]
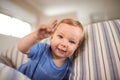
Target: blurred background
[(20, 17)]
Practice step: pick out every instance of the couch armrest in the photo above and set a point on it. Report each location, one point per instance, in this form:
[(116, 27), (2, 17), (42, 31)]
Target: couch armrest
[(12, 57)]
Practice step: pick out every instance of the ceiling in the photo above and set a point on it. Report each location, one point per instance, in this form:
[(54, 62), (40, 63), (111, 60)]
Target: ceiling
[(57, 7), (32, 10), (53, 7)]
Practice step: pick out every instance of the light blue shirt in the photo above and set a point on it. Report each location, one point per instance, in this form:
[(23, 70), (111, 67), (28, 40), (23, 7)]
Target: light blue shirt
[(41, 65)]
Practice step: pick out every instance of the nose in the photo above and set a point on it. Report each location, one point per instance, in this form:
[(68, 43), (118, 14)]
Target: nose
[(64, 43)]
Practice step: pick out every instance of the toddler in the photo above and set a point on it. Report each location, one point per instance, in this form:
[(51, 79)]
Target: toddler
[(51, 61)]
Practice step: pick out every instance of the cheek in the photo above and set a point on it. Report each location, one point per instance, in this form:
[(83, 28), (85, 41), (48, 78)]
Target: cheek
[(71, 50), (54, 40), (53, 43)]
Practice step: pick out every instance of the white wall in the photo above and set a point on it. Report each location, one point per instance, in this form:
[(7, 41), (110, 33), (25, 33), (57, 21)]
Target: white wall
[(89, 12), (7, 42), (47, 19), (98, 11)]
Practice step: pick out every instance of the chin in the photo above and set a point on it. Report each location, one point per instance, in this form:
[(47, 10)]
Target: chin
[(59, 55)]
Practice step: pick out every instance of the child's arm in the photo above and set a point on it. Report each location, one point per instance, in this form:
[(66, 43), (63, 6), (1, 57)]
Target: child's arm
[(28, 41)]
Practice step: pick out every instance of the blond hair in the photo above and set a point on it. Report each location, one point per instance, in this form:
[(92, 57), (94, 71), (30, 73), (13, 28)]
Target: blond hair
[(74, 23)]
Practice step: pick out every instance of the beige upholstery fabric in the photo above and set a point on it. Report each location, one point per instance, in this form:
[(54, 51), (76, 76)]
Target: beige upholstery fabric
[(12, 57)]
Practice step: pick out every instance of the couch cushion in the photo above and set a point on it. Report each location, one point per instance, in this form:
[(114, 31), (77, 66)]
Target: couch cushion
[(12, 57), (99, 57)]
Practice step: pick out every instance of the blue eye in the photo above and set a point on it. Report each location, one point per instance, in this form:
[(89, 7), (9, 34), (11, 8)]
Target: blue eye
[(60, 36), (72, 42)]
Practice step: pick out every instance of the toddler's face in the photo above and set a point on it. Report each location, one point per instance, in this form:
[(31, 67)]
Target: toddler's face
[(65, 40)]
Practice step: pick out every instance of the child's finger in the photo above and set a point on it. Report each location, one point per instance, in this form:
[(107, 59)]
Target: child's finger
[(53, 23)]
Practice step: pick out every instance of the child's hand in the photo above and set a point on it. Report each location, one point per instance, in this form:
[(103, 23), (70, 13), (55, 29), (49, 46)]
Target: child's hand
[(44, 31)]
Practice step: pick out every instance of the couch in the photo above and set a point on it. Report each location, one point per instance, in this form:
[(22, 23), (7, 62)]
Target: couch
[(99, 57)]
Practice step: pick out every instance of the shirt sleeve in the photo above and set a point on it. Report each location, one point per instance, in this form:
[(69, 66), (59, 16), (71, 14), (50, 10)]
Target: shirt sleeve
[(36, 50)]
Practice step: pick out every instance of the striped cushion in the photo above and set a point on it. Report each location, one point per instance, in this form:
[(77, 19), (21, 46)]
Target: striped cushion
[(13, 58), (99, 57)]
